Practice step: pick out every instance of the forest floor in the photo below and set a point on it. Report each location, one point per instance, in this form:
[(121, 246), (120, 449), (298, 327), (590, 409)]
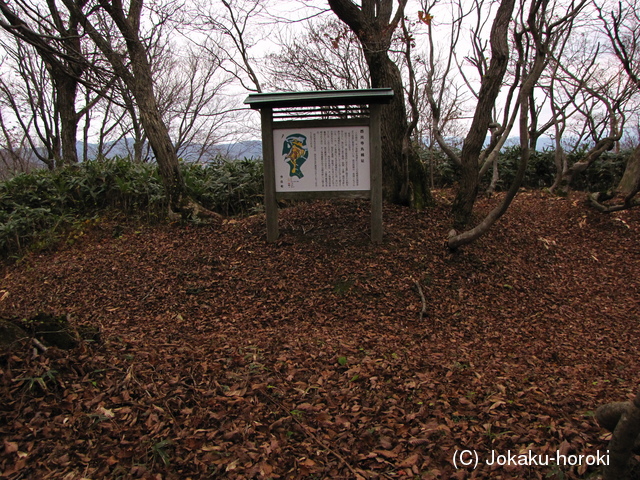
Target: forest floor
[(222, 356)]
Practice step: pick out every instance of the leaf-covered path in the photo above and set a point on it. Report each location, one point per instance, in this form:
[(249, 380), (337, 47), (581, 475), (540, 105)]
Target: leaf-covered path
[(226, 357)]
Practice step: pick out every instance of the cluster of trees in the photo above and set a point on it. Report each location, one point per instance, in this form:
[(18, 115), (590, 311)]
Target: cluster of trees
[(117, 65), (161, 73)]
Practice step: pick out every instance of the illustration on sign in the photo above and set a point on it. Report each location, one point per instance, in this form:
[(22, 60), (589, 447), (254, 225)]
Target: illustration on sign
[(322, 159), (296, 153)]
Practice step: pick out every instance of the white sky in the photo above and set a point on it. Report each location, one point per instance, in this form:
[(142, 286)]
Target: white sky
[(282, 18)]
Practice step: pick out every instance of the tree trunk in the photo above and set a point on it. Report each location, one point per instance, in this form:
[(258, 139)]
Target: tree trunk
[(141, 85), (162, 147), (405, 177), (395, 155), (495, 177), (592, 155), (528, 82), (65, 68), (489, 90), (628, 188), (137, 76), (66, 90), (458, 240), (630, 182), (623, 420), (559, 157)]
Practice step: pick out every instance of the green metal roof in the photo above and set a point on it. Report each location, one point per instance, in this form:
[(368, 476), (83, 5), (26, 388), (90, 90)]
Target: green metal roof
[(320, 98)]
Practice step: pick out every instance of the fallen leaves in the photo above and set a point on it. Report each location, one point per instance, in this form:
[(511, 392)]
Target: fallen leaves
[(226, 357)]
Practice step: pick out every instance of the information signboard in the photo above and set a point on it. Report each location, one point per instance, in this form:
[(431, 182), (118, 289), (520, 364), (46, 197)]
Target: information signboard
[(313, 152), (322, 159)]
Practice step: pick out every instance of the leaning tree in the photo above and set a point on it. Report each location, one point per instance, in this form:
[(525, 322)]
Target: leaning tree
[(130, 63), (540, 27)]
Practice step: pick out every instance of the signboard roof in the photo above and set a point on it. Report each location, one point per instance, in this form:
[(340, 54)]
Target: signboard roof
[(320, 98)]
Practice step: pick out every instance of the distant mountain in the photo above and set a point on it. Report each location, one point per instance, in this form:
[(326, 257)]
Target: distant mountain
[(195, 152), (245, 149), (240, 150), (231, 151), (544, 143)]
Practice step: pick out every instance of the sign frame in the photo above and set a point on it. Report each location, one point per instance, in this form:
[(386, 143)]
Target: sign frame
[(292, 109), (322, 125)]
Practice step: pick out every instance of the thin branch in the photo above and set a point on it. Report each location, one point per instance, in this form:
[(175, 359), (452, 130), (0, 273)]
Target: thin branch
[(423, 312)]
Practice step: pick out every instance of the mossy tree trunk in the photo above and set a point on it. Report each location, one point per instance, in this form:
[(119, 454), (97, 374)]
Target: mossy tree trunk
[(622, 419), (630, 181)]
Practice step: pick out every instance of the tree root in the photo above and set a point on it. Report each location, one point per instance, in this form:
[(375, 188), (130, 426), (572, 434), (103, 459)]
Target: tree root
[(189, 209), (596, 199), (623, 419)]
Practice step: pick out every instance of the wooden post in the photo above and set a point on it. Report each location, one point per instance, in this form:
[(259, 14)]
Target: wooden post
[(311, 105), (270, 203), (375, 148)]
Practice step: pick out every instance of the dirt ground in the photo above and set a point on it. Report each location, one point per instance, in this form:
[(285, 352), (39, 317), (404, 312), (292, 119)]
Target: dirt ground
[(322, 355)]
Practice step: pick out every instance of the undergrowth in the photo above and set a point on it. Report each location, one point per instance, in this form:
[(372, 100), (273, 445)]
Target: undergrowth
[(38, 209), (604, 174)]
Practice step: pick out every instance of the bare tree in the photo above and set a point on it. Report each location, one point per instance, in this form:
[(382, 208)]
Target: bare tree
[(27, 92), (190, 95), (55, 37), (538, 33), (443, 74), (325, 56), (621, 25), (133, 67), (192, 104), (130, 131), (233, 25), (438, 70), (16, 154), (599, 99), (374, 23), (489, 89), (563, 93)]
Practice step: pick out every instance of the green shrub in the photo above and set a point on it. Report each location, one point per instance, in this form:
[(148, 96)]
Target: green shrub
[(34, 190), (36, 208), (118, 183), (540, 171), (603, 175), (445, 172), (228, 187), (25, 225)]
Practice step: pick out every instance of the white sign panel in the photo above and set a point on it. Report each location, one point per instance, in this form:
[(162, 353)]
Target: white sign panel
[(322, 159)]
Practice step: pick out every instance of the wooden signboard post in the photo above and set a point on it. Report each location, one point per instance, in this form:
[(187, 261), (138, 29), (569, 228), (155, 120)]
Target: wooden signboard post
[(323, 144)]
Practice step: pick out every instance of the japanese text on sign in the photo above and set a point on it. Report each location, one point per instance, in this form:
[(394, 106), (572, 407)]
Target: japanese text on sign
[(322, 159)]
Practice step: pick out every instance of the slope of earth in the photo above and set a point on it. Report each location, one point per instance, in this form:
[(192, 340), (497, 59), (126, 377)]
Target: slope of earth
[(324, 356)]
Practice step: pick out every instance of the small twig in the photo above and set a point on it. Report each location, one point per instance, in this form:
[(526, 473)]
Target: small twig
[(423, 312), (39, 345), (311, 435), (149, 293)]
